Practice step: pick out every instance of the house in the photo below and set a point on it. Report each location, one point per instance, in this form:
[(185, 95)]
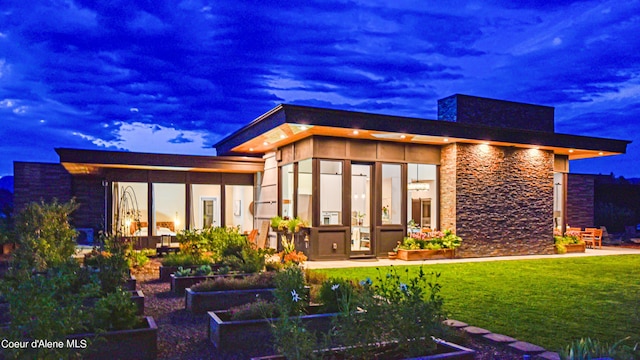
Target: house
[(493, 171)]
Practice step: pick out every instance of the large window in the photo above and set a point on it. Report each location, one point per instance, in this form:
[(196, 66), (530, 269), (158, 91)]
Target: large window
[(305, 184), (330, 192), (422, 196), (205, 206), (558, 200), (238, 209), (130, 208), (169, 203), (391, 193), (287, 190)]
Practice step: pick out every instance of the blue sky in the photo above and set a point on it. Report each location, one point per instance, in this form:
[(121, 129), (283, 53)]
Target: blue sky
[(175, 77)]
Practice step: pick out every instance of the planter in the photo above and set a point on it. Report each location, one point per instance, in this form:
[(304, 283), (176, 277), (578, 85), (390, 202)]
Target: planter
[(225, 334), (426, 254), (444, 350), (130, 284), (180, 283), (140, 343), (201, 302), (138, 298), (574, 248)]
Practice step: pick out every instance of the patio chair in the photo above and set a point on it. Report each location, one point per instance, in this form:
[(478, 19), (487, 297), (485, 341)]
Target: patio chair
[(597, 238), (252, 236)]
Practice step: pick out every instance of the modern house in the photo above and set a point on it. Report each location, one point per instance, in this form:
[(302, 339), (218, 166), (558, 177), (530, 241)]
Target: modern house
[(495, 172)]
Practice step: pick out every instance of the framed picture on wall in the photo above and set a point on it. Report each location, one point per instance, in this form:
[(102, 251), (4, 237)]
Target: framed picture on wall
[(236, 207)]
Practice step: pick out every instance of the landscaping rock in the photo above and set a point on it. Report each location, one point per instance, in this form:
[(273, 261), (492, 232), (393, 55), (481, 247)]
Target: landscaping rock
[(548, 355), (499, 338), (473, 330), (527, 348), (455, 323)]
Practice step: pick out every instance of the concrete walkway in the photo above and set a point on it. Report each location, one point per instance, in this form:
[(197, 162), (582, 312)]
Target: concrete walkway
[(605, 251)]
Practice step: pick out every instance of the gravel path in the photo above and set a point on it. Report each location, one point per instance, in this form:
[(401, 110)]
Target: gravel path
[(183, 335)]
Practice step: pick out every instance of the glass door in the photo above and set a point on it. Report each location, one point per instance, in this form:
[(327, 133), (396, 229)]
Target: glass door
[(360, 209)]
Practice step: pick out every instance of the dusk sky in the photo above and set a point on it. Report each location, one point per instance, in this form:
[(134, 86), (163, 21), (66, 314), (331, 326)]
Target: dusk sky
[(175, 77)]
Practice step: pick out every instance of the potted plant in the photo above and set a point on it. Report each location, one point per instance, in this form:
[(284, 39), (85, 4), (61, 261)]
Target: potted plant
[(424, 246)]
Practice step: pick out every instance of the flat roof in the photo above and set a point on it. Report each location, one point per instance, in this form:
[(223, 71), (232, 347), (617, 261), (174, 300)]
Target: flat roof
[(285, 124), (91, 162)]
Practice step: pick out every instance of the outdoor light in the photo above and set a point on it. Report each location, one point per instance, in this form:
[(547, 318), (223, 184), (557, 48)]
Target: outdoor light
[(446, 140), (355, 132), (402, 136)]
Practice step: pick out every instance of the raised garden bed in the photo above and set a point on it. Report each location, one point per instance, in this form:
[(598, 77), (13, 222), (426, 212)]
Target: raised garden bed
[(180, 283), (444, 351), (141, 343), (138, 298), (225, 334), (574, 248), (130, 284), (202, 301), (423, 254)]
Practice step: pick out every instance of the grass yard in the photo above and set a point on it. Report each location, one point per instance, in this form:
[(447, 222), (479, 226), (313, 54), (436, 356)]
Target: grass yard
[(548, 302)]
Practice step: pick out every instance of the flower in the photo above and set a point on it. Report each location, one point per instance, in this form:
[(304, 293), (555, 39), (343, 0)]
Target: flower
[(367, 281), (334, 287), (403, 287), (294, 296)]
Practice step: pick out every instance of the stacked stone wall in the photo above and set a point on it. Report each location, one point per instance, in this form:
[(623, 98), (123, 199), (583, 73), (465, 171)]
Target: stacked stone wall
[(504, 200)]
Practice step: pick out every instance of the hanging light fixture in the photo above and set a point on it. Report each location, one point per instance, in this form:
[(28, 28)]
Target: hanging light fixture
[(417, 185)]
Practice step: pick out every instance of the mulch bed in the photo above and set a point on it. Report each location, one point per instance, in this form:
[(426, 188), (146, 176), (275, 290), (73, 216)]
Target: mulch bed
[(183, 335)]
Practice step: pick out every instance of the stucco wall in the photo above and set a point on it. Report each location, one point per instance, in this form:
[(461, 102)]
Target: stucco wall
[(503, 199)]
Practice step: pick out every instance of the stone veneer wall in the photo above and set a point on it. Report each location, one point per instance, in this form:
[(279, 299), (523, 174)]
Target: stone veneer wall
[(34, 182), (448, 187), (580, 200), (503, 199)]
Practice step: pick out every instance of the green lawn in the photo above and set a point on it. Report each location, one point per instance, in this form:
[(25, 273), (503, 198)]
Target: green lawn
[(548, 302)]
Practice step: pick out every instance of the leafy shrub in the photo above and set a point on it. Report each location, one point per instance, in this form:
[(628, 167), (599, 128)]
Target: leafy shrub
[(44, 235), (203, 270), (192, 242), (115, 311), (314, 277), (588, 348), (290, 292), (431, 241), (139, 258), (338, 295), (258, 281), (258, 309), (402, 309)]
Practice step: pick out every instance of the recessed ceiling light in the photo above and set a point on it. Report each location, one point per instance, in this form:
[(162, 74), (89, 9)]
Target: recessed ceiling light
[(283, 136), (265, 143), (402, 136), (356, 132), (600, 153), (486, 143), (250, 149), (570, 150), (303, 128), (446, 140)]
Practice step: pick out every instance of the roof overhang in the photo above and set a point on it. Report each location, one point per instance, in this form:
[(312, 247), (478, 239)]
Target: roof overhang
[(93, 162), (289, 123)]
